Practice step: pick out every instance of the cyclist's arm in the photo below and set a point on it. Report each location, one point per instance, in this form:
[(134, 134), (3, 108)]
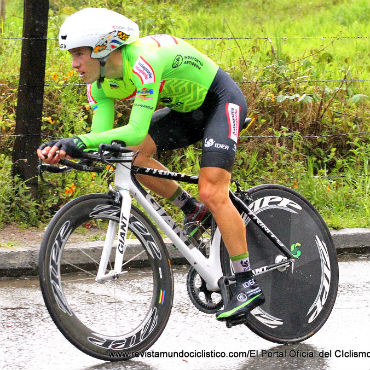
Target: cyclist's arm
[(143, 107), (102, 108)]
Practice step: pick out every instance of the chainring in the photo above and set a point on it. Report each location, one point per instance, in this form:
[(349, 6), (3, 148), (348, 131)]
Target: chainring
[(203, 299)]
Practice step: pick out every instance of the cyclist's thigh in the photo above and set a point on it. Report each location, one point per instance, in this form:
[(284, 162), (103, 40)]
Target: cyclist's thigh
[(224, 124), (172, 130)]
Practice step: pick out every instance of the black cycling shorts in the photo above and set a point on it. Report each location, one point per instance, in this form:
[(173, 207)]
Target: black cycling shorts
[(217, 122)]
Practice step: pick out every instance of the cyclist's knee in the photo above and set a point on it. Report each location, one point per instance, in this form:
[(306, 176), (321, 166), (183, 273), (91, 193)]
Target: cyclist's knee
[(213, 195), (213, 199), (145, 151)]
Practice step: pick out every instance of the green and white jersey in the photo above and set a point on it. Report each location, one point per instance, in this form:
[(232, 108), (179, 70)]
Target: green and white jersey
[(156, 69)]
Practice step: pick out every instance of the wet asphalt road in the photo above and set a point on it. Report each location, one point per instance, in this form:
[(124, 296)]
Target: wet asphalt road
[(30, 340)]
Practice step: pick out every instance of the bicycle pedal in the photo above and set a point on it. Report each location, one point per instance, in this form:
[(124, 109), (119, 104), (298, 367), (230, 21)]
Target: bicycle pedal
[(224, 283), (236, 321)]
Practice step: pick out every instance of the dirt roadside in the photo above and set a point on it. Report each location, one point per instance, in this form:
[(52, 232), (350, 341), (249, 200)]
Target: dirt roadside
[(15, 236)]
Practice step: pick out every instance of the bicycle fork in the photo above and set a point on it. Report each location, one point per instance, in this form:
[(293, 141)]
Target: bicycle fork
[(122, 182)]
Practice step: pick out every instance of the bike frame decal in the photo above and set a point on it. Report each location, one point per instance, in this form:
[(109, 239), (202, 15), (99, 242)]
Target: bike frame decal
[(323, 293), (122, 233), (165, 174), (54, 267), (110, 211), (169, 221), (209, 267), (115, 344)]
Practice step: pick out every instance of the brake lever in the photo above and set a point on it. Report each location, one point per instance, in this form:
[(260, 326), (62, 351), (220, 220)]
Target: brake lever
[(43, 167)]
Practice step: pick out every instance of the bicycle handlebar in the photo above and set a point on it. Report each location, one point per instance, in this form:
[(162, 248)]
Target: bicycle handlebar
[(86, 159)]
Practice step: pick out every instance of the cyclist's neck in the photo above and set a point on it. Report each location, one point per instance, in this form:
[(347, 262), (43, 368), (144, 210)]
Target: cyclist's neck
[(113, 67)]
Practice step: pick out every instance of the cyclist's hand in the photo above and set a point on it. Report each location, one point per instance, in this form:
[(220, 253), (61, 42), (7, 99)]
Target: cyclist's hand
[(53, 151), (44, 149)]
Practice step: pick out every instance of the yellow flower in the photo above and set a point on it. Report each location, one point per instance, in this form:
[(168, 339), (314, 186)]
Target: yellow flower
[(295, 184), (54, 76), (109, 168), (93, 174)]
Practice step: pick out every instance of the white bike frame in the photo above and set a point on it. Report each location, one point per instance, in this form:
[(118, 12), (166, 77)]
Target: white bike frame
[(208, 268)]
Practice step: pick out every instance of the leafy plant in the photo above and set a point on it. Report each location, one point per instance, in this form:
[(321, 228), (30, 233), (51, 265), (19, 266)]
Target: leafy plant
[(311, 115)]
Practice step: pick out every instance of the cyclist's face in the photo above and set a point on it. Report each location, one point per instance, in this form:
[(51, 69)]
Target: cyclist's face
[(87, 67)]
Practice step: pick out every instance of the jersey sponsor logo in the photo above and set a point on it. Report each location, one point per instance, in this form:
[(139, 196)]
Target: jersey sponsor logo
[(113, 85), (145, 93), (233, 118), (90, 98), (143, 106), (222, 146), (164, 40), (208, 142), (144, 70), (177, 61), (193, 61)]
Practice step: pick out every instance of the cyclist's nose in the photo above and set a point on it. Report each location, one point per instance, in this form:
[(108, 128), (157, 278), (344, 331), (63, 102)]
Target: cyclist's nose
[(75, 63)]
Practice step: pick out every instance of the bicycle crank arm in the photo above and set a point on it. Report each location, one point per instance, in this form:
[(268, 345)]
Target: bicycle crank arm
[(282, 266)]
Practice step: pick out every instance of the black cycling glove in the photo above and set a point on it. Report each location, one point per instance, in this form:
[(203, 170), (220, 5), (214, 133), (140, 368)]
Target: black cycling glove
[(73, 146), (50, 143)]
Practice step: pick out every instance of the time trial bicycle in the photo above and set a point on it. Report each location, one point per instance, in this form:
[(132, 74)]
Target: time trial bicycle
[(106, 276)]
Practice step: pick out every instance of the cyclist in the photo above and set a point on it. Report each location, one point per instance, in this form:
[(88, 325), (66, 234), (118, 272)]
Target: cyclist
[(201, 103)]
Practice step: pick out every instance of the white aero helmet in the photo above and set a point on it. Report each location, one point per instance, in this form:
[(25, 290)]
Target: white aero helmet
[(101, 29)]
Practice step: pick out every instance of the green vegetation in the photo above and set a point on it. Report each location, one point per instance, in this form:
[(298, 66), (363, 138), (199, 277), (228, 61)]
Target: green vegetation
[(311, 136)]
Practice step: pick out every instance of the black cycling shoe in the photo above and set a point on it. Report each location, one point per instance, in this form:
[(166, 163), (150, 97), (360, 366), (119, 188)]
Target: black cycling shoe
[(197, 220), (247, 295)]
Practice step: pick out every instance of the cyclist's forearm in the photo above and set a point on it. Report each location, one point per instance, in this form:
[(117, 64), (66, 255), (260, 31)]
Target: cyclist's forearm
[(131, 134)]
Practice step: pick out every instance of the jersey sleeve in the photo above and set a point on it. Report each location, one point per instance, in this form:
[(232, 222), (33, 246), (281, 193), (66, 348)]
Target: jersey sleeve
[(102, 108), (103, 116), (146, 76)]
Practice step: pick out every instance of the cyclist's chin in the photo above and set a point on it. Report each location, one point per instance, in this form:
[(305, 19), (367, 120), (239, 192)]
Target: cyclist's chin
[(88, 79)]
